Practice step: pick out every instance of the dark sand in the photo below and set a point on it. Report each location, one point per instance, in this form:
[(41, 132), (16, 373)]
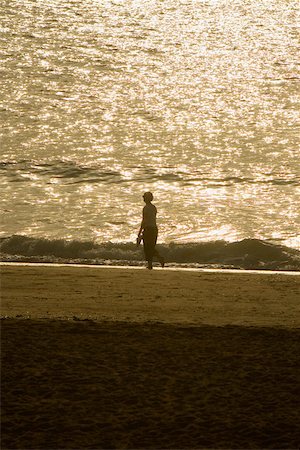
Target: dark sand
[(77, 383), (88, 385)]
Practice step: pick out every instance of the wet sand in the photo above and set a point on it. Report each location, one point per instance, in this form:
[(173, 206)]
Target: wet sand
[(125, 358), (140, 295)]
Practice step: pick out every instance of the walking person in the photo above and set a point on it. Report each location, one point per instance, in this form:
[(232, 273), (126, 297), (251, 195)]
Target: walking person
[(148, 231)]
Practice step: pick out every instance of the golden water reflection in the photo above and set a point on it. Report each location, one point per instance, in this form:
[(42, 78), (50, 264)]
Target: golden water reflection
[(196, 101)]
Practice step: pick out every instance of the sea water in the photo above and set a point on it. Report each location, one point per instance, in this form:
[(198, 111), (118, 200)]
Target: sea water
[(195, 100)]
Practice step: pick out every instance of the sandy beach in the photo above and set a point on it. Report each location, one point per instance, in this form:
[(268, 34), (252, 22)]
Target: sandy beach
[(138, 295), (99, 358)]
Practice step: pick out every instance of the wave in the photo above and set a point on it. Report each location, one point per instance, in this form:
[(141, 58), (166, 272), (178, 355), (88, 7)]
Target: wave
[(245, 254), (69, 172), (66, 171)]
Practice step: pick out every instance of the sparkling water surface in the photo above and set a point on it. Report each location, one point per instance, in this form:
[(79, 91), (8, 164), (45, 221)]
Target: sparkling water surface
[(197, 101)]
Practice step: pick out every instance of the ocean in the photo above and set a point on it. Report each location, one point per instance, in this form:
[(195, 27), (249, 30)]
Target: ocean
[(194, 100)]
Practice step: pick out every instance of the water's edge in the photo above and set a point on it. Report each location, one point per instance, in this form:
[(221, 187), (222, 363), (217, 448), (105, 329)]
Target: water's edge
[(248, 254)]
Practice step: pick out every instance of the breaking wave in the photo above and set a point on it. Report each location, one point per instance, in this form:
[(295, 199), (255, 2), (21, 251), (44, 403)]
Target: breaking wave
[(245, 254), (68, 172)]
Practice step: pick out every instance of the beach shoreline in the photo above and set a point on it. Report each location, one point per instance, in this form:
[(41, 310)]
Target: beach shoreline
[(195, 297), (177, 268)]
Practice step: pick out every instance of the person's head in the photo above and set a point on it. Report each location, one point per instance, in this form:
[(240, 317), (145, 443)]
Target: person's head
[(148, 197)]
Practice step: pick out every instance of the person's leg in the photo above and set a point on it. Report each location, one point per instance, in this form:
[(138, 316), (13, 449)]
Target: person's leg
[(156, 252), (160, 258), (149, 246), (149, 241)]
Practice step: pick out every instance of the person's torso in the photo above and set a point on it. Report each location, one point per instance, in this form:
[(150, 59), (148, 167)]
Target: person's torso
[(149, 214)]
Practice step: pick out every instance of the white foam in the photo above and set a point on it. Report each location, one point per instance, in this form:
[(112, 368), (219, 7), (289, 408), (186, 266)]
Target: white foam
[(166, 268)]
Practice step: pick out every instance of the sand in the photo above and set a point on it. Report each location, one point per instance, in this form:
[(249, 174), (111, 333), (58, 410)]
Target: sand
[(99, 358), (140, 295)]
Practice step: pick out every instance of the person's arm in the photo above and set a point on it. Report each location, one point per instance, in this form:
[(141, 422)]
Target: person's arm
[(142, 225), (140, 231)]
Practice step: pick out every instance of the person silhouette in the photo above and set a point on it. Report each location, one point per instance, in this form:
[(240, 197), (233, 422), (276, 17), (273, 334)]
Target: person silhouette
[(148, 231)]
